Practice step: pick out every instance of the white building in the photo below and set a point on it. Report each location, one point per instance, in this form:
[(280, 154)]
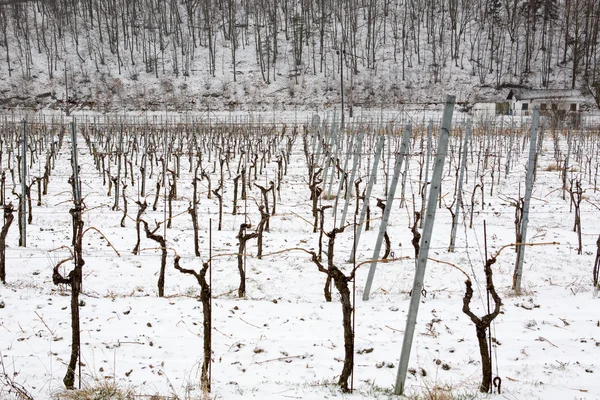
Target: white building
[(559, 101)]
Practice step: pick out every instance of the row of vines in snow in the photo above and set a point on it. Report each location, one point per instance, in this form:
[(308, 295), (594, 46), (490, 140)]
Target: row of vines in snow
[(247, 182)]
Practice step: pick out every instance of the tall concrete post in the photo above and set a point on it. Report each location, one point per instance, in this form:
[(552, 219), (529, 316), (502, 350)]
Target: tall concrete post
[(434, 193), (387, 210), (518, 274)]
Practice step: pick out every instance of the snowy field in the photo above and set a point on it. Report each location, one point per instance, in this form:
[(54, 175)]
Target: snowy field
[(283, 340)]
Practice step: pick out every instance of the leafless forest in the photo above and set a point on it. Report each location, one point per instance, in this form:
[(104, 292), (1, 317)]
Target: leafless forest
[(383, 45)]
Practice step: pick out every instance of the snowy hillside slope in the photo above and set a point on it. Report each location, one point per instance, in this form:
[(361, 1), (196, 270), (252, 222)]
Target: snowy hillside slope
[(282, 55)]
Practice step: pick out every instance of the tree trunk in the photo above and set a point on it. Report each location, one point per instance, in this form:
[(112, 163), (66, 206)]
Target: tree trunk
[(141, 209), (163, 258), (8, 219), (341, 284), (486, 362)]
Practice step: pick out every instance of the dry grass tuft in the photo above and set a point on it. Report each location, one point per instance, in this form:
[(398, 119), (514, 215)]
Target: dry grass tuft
[(109, 390), (553, 167), (438, 393), (434, 389), (106, 390)]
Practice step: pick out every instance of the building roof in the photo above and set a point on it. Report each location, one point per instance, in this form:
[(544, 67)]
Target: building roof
[(541, 94)]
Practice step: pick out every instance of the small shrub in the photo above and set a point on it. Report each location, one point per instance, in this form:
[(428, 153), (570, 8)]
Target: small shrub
[(167, 86)]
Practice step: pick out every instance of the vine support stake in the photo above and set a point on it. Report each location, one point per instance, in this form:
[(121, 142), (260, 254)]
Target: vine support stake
[(424, 193), (338, 145), (328, 149), (518, 274), (75, 164), (119, 155), (566, 166), (434, 193), (388, 209), (463, 166), (349, 184), (210, 294), (23, 241), (350, 144), (365, 205)]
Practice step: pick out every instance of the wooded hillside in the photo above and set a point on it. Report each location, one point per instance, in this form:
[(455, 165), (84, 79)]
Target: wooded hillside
[(236, 52)]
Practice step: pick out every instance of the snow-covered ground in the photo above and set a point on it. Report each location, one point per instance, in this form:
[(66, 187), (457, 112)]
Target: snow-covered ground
[(283, 340)]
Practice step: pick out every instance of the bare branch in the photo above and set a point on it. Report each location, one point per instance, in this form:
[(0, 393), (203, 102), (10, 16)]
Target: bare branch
[(105, 238)]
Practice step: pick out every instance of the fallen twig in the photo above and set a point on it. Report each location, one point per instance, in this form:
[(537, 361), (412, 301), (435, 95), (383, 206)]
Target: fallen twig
[(279, 359)]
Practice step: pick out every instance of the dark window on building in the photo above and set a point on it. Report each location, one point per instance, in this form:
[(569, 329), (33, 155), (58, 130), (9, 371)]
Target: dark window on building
[(573, 107), (555, 106), (503, 108), (525, 106), (543, 106)]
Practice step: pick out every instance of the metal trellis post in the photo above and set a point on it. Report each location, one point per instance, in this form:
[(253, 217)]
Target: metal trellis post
[(387, 211), (528, 189), (424, 194), (350, 183), (75, 164), (23, 241), (363, 211), (415, 298), (463, 166), (119, 167)]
